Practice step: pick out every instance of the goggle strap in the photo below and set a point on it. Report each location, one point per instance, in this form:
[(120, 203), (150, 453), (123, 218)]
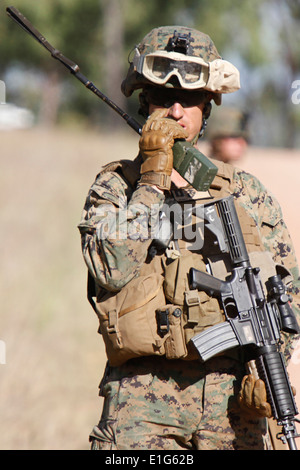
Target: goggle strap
[(138, 61)]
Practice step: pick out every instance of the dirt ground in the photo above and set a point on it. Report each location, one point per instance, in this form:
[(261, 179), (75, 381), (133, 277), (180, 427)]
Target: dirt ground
[(51, 358)]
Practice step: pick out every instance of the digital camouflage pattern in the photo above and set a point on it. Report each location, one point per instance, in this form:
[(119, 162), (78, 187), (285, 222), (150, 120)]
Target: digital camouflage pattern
[(114, 258), (173, 404), (115, 229), (200, 44)]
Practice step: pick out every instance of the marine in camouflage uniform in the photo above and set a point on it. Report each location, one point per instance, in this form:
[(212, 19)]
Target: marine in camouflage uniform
[(157, 394), (228, 134)]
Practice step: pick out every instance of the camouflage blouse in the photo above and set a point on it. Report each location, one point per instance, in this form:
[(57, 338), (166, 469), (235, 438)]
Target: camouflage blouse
[(119, 218)]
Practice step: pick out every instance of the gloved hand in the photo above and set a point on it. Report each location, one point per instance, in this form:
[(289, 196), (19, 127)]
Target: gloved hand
[(253, 397), (156, 144)]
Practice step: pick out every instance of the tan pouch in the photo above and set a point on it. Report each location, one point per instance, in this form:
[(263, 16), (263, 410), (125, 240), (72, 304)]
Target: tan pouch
[(174, 339), (200, 310), (176, 276), (129, 322)]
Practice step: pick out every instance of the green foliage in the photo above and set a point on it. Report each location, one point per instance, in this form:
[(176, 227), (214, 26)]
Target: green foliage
[(69, 25)]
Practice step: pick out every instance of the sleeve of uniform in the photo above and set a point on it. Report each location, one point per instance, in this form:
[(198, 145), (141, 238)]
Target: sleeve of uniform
[(117, 228), (276, 238)]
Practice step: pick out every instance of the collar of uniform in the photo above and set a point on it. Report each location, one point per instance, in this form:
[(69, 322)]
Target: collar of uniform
[(222, 181), (225, 172)]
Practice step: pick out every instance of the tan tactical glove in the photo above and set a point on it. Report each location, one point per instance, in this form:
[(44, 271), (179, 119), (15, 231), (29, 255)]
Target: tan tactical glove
[(156, 144), (253, 397)]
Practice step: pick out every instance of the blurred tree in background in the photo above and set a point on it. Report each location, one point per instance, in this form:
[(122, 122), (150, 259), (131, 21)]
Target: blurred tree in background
[(261, 37)]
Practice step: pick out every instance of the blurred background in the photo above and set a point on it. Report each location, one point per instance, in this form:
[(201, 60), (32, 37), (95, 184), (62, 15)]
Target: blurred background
[(54, 137)]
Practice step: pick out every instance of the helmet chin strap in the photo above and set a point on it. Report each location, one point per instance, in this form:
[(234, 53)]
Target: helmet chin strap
[(206, 114), (144, 105)]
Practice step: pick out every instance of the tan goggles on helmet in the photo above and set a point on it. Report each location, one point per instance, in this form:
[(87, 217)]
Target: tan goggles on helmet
[(159, 67)]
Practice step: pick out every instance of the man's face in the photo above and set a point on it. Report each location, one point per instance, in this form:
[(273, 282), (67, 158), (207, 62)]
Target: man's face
[(184, 107), (229, 149)]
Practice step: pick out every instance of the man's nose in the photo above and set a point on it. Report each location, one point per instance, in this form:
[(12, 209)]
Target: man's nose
[(176, 111)]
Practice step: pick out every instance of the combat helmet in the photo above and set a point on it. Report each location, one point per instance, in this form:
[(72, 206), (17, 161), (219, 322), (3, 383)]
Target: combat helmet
[(228, 122), (180, 57)]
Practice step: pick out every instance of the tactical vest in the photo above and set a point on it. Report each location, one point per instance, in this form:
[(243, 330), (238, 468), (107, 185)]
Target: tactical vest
[(156, 313)]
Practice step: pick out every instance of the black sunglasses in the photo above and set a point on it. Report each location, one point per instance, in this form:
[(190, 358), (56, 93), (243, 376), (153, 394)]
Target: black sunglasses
[(166, 98)]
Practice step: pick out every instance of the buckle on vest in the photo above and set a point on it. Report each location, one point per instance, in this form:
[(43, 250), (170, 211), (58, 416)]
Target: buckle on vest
[(162, 316), (113, 330)]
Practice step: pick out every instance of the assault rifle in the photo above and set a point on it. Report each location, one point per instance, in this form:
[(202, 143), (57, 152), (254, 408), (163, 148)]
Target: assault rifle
[(253, 321), (190, 163)]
